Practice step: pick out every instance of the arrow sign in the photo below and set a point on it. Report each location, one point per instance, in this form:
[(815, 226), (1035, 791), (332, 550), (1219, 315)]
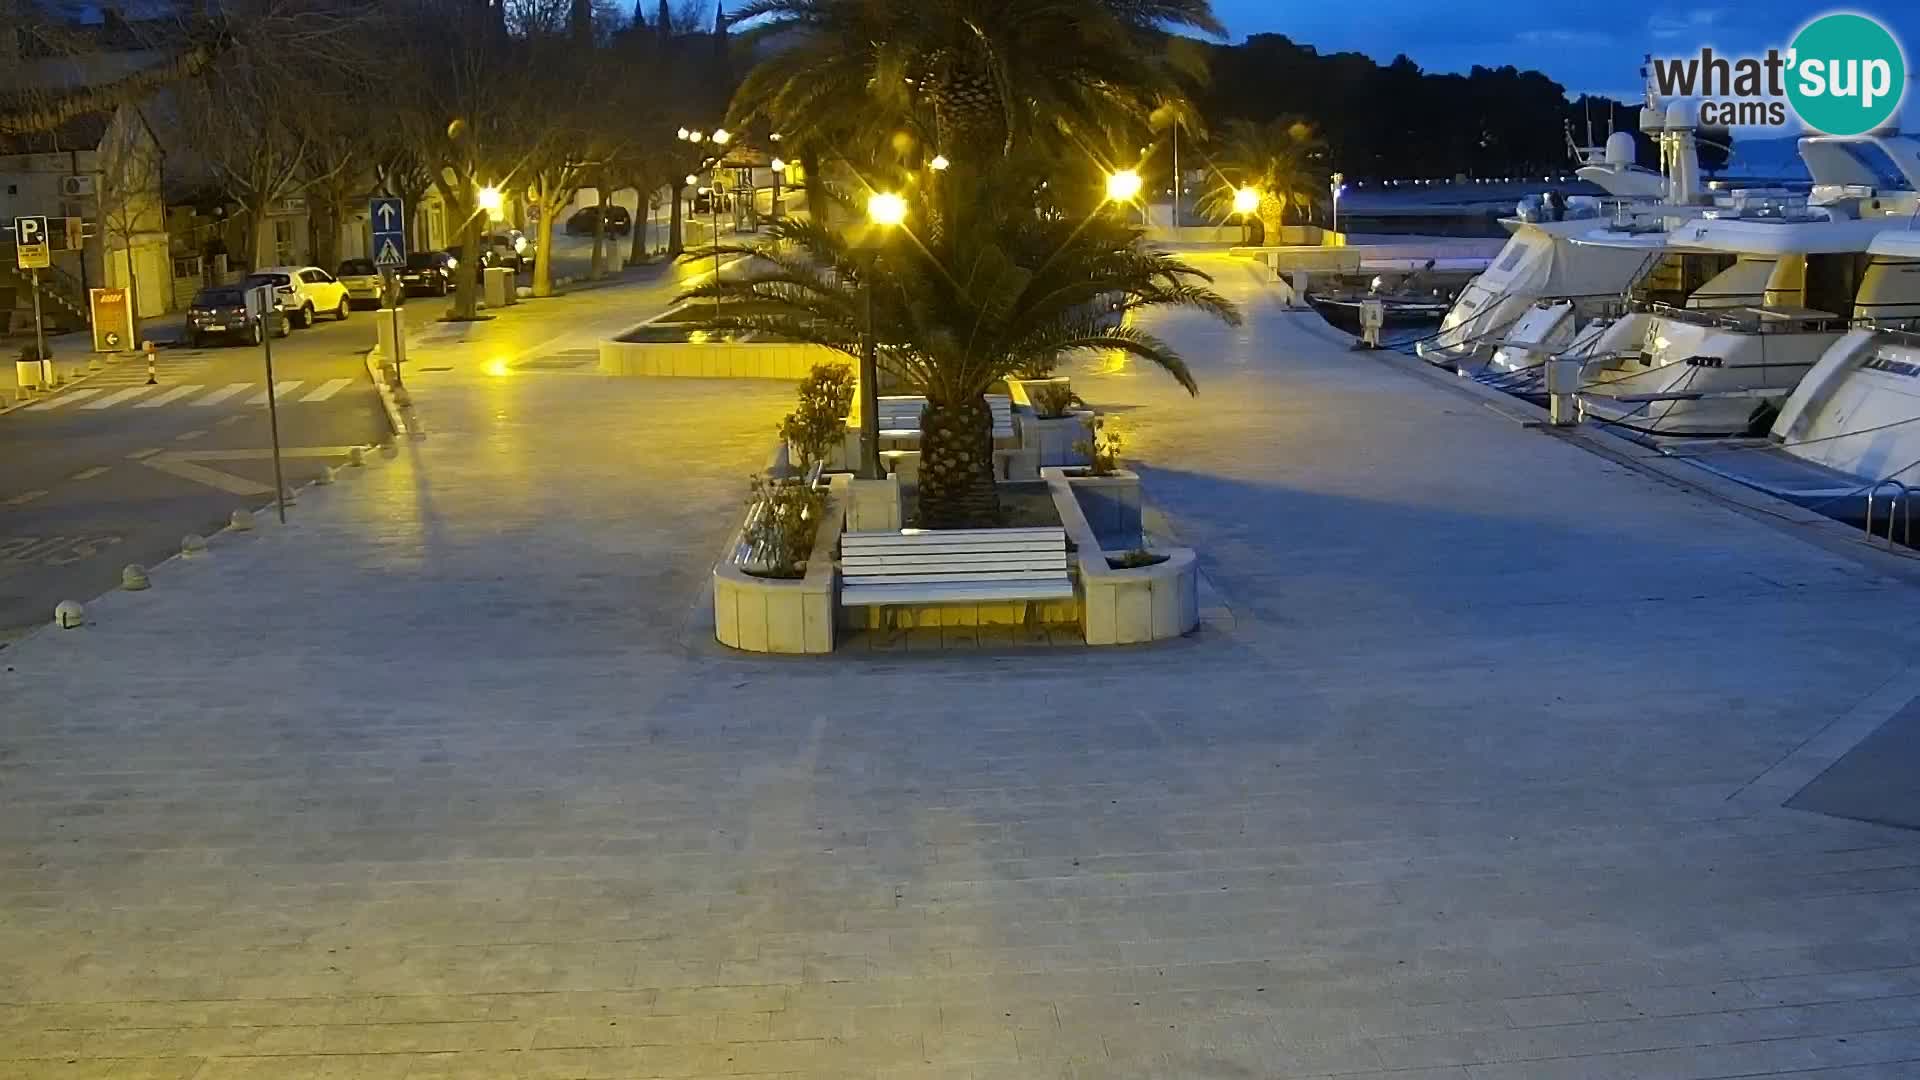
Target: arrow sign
[(389, 218)]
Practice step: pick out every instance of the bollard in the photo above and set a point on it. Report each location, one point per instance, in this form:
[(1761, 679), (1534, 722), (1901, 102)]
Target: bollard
[(133, 577), (152, 379), (356, 457), (286, 496), (69, 615), (326, 475), (241, 521), (192, 546)]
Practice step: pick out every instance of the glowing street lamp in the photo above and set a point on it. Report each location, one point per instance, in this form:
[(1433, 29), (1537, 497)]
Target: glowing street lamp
[(491, 200), (1123, 186), (722, 136), (684, 135), (939, 163), (779, 168), (886, 210), (1245, 202)]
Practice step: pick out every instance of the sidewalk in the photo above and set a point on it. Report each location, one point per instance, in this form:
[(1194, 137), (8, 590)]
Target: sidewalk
[(72, 353), (447, 779)]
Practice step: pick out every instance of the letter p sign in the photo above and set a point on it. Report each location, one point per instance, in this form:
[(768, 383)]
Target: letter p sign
[(30, 242)]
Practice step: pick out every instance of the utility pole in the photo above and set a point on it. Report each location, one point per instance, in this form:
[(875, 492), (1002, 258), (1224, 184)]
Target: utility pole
[(40, 336)]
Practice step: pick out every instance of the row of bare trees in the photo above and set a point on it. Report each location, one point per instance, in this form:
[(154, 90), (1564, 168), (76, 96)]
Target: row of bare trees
[(333, 100)]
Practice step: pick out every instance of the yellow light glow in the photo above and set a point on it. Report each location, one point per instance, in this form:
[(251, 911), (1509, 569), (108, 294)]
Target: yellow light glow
[(685, 134), (490, 199), (1246, 201), (692, 179), (778, 165), (696, 137), (886, 208), (1123, 186), (939, 163), (496, 368), (722, 137)]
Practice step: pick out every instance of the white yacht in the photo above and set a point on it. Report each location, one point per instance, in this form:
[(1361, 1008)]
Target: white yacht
[(1852, 425), (1540, 289)]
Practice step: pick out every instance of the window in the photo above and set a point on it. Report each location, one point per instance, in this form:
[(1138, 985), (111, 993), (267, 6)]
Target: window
[(311, 277), (1879, 164), (186, 266), (320, 277), (1513, 258), (283, 240)]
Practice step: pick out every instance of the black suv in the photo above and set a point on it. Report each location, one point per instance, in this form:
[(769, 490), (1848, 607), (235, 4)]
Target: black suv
[(619, 222), (428, 272), (220, 314)]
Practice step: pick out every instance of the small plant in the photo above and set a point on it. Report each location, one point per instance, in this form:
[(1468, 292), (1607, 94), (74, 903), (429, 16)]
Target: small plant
[(1051, 400), (782, 516), (1135, 559), (826, 395), (1101, 448), (29, 354)]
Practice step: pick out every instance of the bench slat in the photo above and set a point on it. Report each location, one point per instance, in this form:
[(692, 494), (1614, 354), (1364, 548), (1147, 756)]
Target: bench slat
[(934, 535), (1060, 589), (1041, 566), (936, 582), (983, 558)]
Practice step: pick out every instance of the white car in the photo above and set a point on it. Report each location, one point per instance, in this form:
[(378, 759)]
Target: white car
[(304, 292)]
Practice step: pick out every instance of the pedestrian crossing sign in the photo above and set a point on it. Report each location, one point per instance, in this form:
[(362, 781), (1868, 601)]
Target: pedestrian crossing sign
[(390, 255)]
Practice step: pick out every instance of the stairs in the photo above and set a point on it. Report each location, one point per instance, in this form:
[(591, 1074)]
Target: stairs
[(63, 304)]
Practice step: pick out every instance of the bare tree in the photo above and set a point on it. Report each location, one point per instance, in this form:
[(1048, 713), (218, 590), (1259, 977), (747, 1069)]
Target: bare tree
[(131, 206)]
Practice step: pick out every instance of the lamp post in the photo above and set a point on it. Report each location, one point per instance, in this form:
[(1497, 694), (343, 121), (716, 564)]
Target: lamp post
[(884, 211), (779, 168), (1123, 186), (1245, 201), (1336, 185)]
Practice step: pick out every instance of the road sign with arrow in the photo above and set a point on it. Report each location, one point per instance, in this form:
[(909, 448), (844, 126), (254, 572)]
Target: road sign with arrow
[(389, 216)]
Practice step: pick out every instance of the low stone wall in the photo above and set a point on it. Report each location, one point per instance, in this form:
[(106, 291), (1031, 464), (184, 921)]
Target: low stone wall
[(1125, 607), (715, 360), (782, 615)]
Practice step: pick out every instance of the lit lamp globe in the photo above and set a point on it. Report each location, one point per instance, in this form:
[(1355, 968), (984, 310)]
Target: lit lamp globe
[(778, 165), (722, 137), (1246, 201), (1123, 186), (939, 163), (886, 208)]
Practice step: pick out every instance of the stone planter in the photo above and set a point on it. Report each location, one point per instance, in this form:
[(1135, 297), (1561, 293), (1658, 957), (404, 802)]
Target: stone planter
[(1052, 441), (781, 615), (1112, 506), (1123, 607)]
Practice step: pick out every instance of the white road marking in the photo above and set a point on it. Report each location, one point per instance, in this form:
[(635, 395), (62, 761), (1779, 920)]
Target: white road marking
[(88, 474), (24, 498), (327, 389), (234, 419), (222, 394), (280, 390), (111, 400), (174, 394), (194, 434), (186, 464), (67, 398), (138, 454)]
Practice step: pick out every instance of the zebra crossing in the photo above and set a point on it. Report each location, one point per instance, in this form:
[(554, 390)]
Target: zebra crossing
[(191, 395)]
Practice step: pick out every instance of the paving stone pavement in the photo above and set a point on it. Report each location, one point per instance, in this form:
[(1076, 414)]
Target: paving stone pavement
[(444, 779)]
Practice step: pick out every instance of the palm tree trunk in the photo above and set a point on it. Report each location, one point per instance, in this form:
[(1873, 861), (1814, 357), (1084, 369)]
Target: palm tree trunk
[(675, 242), (956, 466), (1273, 218), (816, 185)]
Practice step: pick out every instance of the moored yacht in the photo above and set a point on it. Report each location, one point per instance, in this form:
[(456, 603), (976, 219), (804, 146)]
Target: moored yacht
[(1852, 425)]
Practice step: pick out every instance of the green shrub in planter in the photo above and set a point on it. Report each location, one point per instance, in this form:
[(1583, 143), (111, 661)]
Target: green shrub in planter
[(819, 424), (1050, 400), (782, 516)]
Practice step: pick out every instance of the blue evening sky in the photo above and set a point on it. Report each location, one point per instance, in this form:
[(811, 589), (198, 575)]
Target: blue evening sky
[(1585, 47)]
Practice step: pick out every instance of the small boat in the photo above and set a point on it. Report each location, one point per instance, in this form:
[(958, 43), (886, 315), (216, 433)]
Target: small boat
[(1342, 309)]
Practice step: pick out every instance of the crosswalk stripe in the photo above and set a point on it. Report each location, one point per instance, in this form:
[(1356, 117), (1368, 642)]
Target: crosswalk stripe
[(327, 389), (280, 391), (111, 400), (67, 398), (174, 394), (222, 394)]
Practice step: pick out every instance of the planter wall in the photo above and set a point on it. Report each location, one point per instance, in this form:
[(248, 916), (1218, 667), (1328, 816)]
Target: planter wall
[(1112, 507), (1124, 607), (1051, 442), (714, 360), (779, 615)]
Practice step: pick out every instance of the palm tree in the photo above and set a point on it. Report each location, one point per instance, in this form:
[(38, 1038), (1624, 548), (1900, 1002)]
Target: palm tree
[(1011, 292), (1281, 159)]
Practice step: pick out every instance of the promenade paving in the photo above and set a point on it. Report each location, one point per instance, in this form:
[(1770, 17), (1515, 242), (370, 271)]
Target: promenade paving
[(446, 778)]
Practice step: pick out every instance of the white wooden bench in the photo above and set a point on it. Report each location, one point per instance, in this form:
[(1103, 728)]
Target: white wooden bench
[(900, 416), (930, 566)]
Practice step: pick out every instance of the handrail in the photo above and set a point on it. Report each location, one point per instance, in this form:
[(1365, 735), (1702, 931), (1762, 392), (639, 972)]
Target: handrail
[(1749, 324), (1904, 497)]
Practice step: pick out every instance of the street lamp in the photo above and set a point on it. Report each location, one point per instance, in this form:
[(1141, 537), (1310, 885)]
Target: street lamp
[(939, 163), (722, 136), (1245, 201), (491, 200), (1336, 185), (885, 210), (1123, 186), (779, 168)]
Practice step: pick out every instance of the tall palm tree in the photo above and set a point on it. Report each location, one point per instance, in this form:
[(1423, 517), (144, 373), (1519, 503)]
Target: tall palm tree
[(1283, 160), (1012, 291)]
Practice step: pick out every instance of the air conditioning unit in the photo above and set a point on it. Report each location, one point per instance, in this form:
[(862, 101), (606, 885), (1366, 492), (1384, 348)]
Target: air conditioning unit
[(77, 187)]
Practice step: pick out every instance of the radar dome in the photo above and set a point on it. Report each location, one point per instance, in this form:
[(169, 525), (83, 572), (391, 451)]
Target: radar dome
[(1682, 115), (1620, 149)]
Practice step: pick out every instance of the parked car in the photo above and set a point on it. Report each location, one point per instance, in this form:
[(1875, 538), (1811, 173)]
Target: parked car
[(510, 249), (304, 291), (619, 222), (428, 272), (363, 282), (487, 256), (220, 314)]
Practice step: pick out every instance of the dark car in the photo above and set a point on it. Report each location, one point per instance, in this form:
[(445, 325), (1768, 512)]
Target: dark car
[(619, 222), (429, 272), (220, 314)]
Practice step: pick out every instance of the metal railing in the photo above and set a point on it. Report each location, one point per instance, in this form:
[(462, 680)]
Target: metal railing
[(1901, 502), (1751, 322)]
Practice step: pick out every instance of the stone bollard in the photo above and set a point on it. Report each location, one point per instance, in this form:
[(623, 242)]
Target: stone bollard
[(287, 495), (356, 457), (241, 521), (133, 577), (326, 475), (192, 546), (69, 615)]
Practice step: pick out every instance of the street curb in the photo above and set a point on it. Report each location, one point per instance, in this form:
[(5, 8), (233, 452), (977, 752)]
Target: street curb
[(377, 372), (65, 386)]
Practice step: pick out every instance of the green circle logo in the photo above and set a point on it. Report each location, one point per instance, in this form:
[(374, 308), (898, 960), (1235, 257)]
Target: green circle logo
[(1848, 74)]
